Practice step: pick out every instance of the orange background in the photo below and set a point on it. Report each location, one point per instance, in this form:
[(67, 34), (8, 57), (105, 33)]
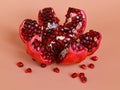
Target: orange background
[(102, 15)]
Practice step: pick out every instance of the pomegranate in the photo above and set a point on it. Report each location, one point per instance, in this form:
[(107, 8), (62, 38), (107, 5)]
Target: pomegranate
[(49, 42)]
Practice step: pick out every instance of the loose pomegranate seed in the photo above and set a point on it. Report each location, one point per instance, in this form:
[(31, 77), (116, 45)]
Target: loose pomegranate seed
[(43, 65), (56, 70), (94, 58), (83, 66), (83, 79), (33, 59), (74, 75), (91, 65), (81, 75), (28, 70), (20, 64)]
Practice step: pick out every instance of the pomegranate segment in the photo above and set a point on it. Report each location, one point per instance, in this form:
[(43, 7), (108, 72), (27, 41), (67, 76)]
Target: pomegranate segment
[(47, 17), (75, 53), (75, 22), (28, 29), (90, 40), (38, 51)]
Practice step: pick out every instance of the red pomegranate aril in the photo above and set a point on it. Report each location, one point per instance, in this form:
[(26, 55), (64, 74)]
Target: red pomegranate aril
[(94, 58), (74, 75), (91, 65), (81, 74), (43, 65), (20, 64), (83, 79), (57, 70), (83, 66), (28, 70)]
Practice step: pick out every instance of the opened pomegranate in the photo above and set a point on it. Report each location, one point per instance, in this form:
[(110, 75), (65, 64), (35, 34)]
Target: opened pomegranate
[(49, 42)]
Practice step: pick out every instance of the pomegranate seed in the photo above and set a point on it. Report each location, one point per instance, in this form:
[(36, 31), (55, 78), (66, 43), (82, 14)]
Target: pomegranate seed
[(20, 64), (81, 75), (83, 79), (33, 59), (43, 65), (28, 70), (94, 58), (83, 66), (91, 65), (56, 70), (74, 75)]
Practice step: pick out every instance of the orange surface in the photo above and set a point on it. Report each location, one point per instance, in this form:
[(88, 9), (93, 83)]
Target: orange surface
[(102, 15)]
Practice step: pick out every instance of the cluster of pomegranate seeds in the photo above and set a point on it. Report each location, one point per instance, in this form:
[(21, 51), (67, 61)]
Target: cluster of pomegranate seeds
[(74, 75), (56, 69), (82, 77), (28, 70), (94, 58), (19, 64)]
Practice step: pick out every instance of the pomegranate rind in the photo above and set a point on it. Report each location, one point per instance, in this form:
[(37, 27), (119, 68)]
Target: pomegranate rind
[(36, 54), (73, 57), (20, 31)]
